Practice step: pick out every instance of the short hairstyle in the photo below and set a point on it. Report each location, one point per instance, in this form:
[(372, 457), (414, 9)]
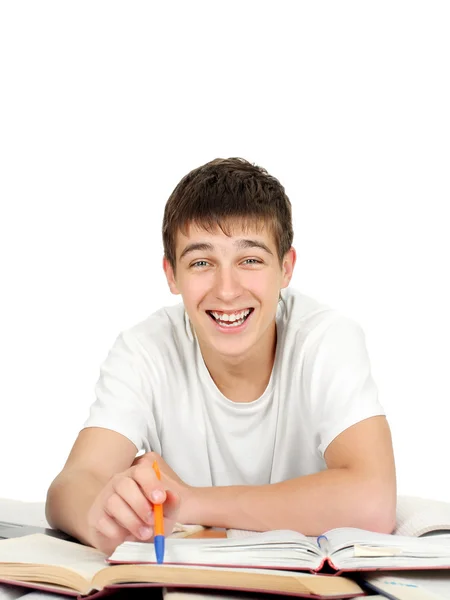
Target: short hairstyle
[(223, 192)]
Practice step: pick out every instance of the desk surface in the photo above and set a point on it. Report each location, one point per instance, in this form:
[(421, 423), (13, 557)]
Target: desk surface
[(29, 513)]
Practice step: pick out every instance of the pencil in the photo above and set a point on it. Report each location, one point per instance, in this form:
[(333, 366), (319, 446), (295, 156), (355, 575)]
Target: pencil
[(159, 524)]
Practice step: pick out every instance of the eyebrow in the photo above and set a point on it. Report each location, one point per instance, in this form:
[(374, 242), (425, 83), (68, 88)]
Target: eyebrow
[(243, 244)]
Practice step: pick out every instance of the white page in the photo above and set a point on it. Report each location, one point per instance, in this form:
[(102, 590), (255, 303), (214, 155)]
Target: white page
[(271, 548), (241, 533), (47, 550), (360, 549), (346, 537), (432, 585), (417, 516)]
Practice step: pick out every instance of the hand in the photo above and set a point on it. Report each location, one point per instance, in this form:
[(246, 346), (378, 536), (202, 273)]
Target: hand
[(124, 508), (171, 481)]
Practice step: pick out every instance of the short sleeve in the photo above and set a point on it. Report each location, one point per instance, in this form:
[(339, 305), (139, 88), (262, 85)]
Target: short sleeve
[(341, 387), (124, 394)]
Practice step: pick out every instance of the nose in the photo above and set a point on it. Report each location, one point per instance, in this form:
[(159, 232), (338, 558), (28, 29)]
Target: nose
[(227, 284)]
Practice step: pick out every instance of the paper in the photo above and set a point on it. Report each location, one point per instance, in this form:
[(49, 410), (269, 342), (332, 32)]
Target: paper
[(364, 551)]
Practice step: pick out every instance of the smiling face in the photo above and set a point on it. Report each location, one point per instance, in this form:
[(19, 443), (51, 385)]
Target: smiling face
[(230, 286)]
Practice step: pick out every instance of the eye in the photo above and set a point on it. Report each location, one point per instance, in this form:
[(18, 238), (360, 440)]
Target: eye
[(199, 264), (252, 261)]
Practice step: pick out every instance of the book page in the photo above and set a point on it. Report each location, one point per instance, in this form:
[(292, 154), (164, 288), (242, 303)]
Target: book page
[(341, 538), (270, 549), (434, 585), (43, 549), (245, 533), (257, 580), (348, 537), (360, 549), (418, 516), (241, 533)]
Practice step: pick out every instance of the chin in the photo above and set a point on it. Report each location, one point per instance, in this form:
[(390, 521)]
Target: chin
[(231, 349)]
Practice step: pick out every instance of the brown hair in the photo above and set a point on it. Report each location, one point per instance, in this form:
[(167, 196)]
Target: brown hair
[(219, 193)]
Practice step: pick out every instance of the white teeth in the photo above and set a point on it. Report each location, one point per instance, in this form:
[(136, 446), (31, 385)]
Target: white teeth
[(230, 318), (234, 324)]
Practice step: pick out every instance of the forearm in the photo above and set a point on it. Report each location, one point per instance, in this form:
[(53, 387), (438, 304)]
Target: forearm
[(69, 499), (311, 504)]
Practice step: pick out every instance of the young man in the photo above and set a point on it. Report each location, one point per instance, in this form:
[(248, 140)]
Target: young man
[(257, 401)]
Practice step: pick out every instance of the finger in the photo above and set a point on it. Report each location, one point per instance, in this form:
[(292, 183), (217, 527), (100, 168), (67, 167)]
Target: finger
[(129, 490), (152, 487), (109, 528), (170, 510), (109, 534), (124, 515)]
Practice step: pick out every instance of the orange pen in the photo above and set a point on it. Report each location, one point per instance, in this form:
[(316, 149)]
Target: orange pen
[(159, 538)]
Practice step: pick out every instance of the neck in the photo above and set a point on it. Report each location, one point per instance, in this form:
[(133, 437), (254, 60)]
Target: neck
[(243, 378)]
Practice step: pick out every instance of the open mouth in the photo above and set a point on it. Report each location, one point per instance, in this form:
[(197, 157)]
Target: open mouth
[(230, 320)]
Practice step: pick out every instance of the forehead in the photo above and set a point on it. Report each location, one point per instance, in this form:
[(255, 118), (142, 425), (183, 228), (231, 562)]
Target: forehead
[(226, 237)]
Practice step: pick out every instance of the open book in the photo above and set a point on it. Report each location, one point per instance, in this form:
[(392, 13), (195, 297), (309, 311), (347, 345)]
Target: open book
[(343, 549), (61, 566), (420, 516)]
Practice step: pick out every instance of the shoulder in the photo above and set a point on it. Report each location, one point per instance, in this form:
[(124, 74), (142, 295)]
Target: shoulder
[(307, 324), (163, 332)]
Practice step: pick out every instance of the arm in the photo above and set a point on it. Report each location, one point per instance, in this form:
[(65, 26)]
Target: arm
[(357, 490), (101, 497)]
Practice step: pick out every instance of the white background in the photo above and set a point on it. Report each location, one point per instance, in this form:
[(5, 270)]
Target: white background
[(106, 105)]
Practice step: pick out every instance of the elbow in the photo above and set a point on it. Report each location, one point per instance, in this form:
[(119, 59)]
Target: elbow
[(382, 522), (50, 503), (380, 511), (56, 500)]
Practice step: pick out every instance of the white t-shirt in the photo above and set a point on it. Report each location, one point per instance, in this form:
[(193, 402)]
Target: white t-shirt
[(154, 388)]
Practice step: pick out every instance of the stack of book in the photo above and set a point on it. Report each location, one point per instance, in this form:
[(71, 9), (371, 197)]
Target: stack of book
[(341, 563)]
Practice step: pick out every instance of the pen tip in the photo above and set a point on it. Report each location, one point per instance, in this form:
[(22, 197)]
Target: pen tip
[(159, 548)]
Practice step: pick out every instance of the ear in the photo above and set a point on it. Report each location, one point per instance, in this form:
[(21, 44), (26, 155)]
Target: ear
[(170, 276), (289, 261)]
